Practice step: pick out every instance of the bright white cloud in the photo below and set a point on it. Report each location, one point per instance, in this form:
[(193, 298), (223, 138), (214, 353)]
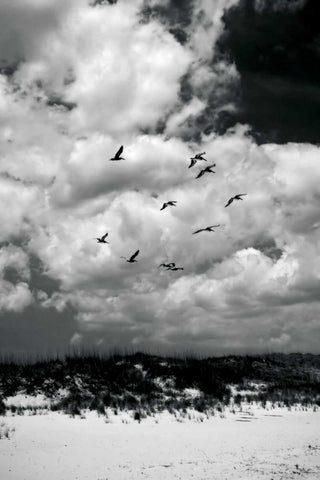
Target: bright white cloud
[(225, 288), (14, 298)]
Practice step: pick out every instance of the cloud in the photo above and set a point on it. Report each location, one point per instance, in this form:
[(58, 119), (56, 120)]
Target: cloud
[(15, 294), (116, 76), (274, 46), (127, 90), (76, 339), (83, 179), (228, 286), (211, 79), (14, 298), (15, 258)]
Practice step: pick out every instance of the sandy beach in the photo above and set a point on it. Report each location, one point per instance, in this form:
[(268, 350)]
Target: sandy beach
[(253, 444)]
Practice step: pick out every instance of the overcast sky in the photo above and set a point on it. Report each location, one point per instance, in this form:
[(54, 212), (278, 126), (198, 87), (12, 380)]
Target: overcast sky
[(166, 79)]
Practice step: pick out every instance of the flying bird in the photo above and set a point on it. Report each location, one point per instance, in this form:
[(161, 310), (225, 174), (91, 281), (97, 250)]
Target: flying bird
[(206, 170), (167, 265), (193, 162), (102, 239), (236, 197), (207, 229), (172, 203), (118, 154), (174, 269), (199, 156), (132, 258)]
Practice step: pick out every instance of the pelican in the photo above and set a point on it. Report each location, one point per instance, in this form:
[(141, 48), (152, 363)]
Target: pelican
[(172, 203), (236, 197), (206, 170), (167, 265), (117, 155), (207, 229), (193, 162), (132, 258), (102, 239), (199, 156)]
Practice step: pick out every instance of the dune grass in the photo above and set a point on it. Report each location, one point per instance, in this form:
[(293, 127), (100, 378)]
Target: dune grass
[(147, 383)]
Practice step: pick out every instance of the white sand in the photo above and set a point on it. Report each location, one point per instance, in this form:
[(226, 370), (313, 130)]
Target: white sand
[(259, 446)]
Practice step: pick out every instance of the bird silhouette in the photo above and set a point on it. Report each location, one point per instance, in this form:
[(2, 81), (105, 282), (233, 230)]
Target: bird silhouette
[(193, 162), (102, 239), (167, 265), (196, 158), (172, 203), (207, 229), (206, 170), (118, 154), (199, 156), (132, 258), (174, 269), (236, 197)]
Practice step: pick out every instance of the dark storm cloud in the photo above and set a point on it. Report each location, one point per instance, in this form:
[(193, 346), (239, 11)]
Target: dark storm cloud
[(276, 52)]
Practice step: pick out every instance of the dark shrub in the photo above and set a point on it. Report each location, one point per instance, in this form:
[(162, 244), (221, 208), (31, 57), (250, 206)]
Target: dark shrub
[(2, 407)]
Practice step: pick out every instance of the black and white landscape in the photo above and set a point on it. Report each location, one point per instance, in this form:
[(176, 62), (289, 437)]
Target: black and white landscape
[(160, 193)]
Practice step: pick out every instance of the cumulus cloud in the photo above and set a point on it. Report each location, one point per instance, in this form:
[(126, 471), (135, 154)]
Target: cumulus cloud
[(15, 294), (228, 286), (91, 79), (14, 298)]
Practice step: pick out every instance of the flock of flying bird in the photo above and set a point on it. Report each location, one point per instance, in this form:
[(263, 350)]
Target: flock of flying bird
[(172, 203)]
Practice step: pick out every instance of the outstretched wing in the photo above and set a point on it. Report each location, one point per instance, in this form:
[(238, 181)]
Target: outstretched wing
[(198, 231), (163, 206), (240, 195), (134, 255), (200, 174), (193, 162), (104, 236), (117, 155), (213, 226), (229, 201)]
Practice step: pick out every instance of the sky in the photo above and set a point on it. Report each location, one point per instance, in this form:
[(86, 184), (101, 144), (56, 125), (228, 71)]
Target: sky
[(237, 79)]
